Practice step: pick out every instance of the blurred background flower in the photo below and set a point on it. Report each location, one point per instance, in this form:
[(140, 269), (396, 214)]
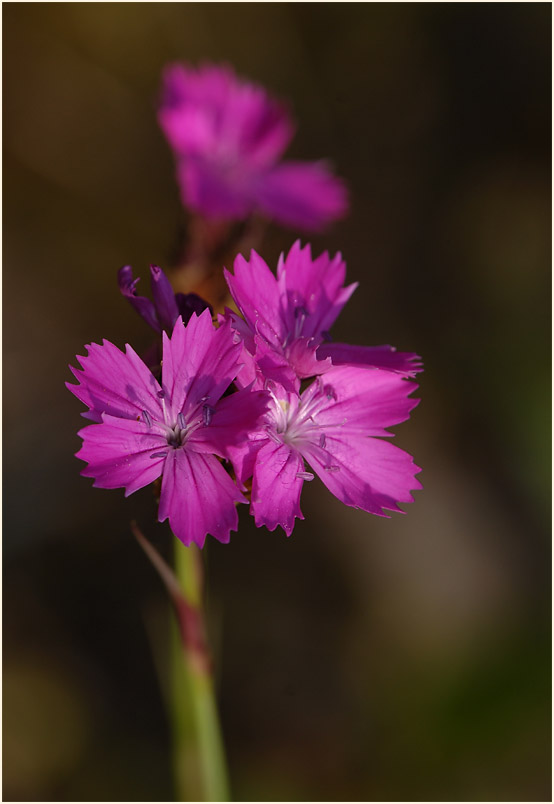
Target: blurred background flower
[(228, 136), (363, 658)]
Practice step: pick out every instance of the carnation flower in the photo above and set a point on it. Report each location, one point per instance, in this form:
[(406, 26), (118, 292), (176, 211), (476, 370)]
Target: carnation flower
[(334, 426), (161, 313), (287, 319), (174, 429), (228, 137)]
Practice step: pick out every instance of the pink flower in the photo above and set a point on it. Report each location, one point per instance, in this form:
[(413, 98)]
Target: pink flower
[(228, 137), (333, 426), (175, 429), (287, 319)]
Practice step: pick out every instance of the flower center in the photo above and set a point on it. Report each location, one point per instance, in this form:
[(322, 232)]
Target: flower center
[(295, 422), (176, 435)]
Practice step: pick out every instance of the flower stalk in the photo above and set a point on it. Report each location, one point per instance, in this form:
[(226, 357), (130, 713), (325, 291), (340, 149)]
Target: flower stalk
[(198, 752), (200, 768)]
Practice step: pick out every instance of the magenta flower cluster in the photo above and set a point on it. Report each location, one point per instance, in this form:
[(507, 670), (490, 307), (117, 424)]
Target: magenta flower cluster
[(249, 407), (230, 398)]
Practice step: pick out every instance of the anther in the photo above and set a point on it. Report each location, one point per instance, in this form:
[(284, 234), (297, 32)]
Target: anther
[(304, 476), (322, 440), (158, 455), (332, 468), (161, 394), (329, 392), (146, 417), (207, 413), (181, 421)]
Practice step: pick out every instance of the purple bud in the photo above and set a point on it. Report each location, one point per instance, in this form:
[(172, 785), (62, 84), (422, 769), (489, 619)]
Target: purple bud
[(189, 303), (143, 306), (164, 298)]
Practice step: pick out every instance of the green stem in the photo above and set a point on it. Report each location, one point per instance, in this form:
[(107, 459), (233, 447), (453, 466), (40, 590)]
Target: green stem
[(199, 757)]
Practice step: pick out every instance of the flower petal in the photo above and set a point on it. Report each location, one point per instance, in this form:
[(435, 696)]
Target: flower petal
[(198, 497), (312, 290), (213, 191), (199, 363), (211, 106), (360, 401), (256, 293), (233, 419), (277, 486), (365, 473), (116, 383), (302, 194), (118, 453), (384, 357)]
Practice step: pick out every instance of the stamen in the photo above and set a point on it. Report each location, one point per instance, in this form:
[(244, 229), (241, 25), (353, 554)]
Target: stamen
[(159, 455), (332, 468), (181, 421), (207, 413), (272, 434), (161, 394), (147, 418), (304, 475), (300, 314)]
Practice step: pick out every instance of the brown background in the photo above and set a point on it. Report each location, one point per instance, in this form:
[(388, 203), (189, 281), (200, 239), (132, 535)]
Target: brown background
[(364, 658)]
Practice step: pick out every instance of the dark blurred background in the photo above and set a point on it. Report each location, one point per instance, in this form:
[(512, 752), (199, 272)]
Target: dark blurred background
[(363, 658)]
